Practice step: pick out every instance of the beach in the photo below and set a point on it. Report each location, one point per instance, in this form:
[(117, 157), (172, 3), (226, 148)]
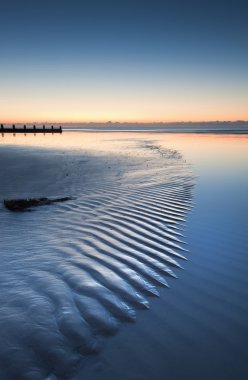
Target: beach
[(143, 274)]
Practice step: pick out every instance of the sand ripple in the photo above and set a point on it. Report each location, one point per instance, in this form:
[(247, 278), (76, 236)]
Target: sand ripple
[(73, 273)]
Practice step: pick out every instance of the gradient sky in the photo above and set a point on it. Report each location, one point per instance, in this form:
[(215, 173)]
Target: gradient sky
[(123, 60)]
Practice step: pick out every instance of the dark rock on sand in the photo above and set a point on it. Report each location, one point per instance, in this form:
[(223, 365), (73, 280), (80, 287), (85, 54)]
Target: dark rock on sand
[(23, 204)]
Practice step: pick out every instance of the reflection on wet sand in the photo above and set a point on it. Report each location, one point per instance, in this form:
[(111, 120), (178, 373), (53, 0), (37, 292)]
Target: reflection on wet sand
[(74, 271)]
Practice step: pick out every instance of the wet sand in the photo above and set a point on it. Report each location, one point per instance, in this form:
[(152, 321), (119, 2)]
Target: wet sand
[(76, 273)]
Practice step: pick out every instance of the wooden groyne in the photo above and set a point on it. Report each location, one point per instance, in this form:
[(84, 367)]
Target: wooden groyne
[(33, 129)]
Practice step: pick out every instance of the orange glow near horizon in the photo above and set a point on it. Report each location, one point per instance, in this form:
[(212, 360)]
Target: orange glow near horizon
[(132, 105), (114, 118), (140, 109), (117, 122), (47, 120), (83, 96)]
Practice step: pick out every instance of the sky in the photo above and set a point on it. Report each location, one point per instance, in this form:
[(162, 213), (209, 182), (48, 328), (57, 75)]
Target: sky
[(132, 61)]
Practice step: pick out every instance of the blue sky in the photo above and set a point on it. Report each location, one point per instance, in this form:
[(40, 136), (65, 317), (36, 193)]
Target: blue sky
[(123, 60)]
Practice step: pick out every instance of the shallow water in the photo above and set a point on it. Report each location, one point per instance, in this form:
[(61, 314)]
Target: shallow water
[(73, 273)]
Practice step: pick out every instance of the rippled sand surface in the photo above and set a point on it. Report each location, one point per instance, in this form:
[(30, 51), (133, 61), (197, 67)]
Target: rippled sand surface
[(74, 273)]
